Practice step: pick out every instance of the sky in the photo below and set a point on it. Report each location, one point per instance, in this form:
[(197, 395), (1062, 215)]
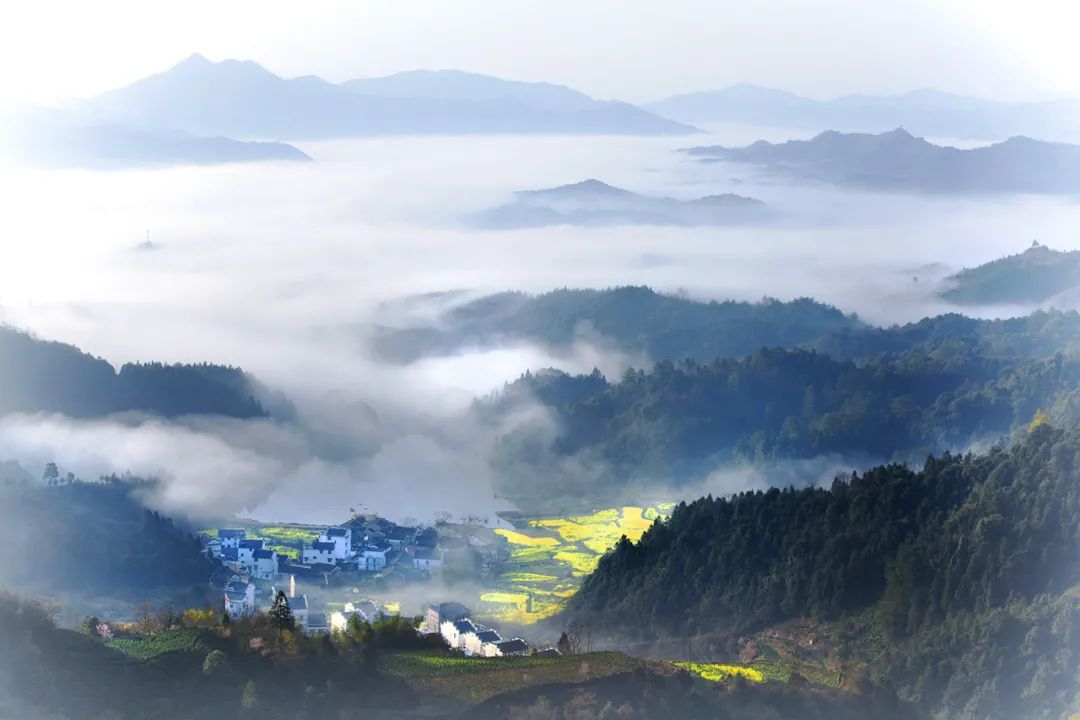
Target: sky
[(627, 49)]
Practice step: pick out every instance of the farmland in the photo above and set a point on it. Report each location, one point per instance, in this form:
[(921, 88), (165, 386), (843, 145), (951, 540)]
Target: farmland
[(472, 680), (550, 556), (148, 647)]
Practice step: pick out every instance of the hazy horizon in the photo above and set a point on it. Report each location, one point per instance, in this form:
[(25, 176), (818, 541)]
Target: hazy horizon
[(981, 49)]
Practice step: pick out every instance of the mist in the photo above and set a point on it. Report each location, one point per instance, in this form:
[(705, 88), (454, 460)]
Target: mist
[(282, 268)]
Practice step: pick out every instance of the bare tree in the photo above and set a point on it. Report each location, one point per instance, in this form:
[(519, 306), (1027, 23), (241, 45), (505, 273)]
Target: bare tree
[(572, 639)]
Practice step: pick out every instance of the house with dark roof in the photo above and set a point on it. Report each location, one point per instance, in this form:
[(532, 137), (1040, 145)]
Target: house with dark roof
[(239, 598), (435, 615), (474, 641), (340, 538), (319, 552), (246, 552), (506, 648), (454, 632), (372, 557), (264, 564), (427, 558), (230, 538)]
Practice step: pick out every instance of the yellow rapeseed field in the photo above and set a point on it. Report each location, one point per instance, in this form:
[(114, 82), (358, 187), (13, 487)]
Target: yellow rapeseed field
[(716, 672), (550, 556)]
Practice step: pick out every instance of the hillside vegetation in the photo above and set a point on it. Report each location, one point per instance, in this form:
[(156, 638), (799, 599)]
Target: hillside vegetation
[(43, 376), (1035, 275), (633, 319), (191, 667), (95, 538), (968, 565), (865, 396)]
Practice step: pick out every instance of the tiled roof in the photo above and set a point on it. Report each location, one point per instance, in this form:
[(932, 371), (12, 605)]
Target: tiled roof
[(512, 646)]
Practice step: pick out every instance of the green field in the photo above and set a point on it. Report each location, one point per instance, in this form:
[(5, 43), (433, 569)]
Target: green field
[(473, 680), (152, 646)]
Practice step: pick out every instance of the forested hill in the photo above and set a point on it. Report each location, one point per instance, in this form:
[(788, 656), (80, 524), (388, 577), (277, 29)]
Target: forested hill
[(640, 321), (94, 538), (44, 376), (632, 319), (969, 564), (679, 422), (1035, 275)]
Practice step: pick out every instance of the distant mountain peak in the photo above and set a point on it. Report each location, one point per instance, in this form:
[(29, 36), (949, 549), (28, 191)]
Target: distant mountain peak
[(590, 186), (194, 60)]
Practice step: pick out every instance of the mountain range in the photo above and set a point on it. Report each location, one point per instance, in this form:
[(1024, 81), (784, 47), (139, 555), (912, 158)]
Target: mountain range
[(593, 203), (241, 99), (899, 161), (924, 112)]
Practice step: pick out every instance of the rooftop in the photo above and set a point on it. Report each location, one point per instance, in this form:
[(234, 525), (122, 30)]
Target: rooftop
[(231, 533), (512, 646), (336, 532), (323, 546), (465, 625), (264, 554), (451, 610)]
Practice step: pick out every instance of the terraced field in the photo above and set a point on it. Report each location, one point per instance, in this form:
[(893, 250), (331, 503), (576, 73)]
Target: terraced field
[(550, 556)]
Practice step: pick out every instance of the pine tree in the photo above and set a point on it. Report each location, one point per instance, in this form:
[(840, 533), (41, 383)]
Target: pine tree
[(281, 615)]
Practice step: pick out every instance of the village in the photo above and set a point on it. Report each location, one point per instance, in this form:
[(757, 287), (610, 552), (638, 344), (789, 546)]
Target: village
[(366, 551)]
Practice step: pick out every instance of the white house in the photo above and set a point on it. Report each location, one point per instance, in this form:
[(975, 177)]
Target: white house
[(239, 598), (454, 632), (435, 615), (341, 538), (230, 538), (372, 558), (427, 558), (246, 553), (319, 553), (474, 641), (506, 648), (264, 564)]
